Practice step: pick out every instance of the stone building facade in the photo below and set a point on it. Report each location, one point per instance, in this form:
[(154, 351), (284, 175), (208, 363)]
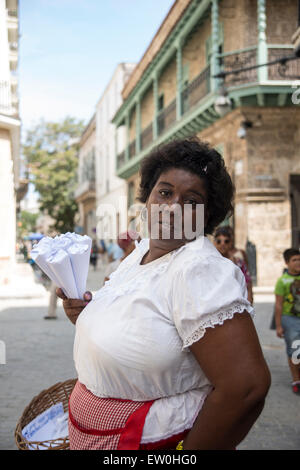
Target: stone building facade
[(175, 92), (11, 186), (85, 193)]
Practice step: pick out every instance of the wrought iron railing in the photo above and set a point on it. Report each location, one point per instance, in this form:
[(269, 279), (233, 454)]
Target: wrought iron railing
[(196, 90), (239, 60), (289, 70), (147, 136), (166, 117), (131, 149)]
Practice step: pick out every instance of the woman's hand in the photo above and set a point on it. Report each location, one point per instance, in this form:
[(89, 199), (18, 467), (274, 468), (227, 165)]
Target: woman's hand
[(73, 307)]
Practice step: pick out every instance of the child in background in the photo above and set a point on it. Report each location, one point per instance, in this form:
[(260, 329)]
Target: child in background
[(287, 311)]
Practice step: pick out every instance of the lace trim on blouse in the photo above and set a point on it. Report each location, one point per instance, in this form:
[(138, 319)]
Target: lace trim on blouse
[(217, 318)]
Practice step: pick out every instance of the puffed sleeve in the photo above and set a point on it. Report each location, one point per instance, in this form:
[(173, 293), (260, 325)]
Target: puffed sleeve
[(205, 293)]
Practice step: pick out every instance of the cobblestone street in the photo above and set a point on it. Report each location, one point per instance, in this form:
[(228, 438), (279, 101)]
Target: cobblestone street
[(39, 354)]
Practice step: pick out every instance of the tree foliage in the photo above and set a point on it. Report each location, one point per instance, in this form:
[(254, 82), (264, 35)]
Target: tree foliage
[(26, 223), (51, 151)]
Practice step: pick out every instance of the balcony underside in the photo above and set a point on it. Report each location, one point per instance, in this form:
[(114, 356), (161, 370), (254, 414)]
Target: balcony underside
[(203, 114)]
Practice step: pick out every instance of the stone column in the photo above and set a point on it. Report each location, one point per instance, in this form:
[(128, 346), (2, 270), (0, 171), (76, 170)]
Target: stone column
[(262, 52), (214, 66)]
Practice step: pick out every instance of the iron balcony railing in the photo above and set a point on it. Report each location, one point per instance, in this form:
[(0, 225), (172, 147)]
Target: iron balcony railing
[(196, 90), (289, 70), (87, 187), (239, 60), (121, 159), (166, 117), (241, 67), (132, 149), (147, 136)]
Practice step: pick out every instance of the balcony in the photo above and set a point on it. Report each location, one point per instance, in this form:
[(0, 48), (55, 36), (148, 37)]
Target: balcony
[(288, 71), (166, 117), (131, 152), (147, 136), (197, 99), (6, 101), (196, 90), (248, 57), (12, 19), (85, 190), (239, 60)]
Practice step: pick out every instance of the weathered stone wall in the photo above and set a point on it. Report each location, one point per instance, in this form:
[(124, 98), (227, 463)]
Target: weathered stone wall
[(223, 135), (194, 49), (281, 20), (261, 165)]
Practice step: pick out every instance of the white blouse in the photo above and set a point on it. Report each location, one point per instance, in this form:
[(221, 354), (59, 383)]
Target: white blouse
[(132, 340)]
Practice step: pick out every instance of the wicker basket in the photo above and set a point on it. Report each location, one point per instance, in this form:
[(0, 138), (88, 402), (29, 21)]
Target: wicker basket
[(59, 392)]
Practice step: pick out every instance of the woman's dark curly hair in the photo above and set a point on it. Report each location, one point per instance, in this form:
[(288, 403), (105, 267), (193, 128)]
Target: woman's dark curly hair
[(196, 157)]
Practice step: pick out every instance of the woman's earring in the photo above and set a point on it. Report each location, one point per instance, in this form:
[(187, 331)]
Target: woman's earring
[(144, 213)]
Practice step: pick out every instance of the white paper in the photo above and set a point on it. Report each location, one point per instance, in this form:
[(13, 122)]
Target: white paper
[(65, 259), (80, 255), (60, 265), (51, 424)]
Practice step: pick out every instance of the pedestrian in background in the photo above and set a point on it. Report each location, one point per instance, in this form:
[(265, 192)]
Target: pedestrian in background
[(114, 251), (94, 254), (126, 242), (287, 310), (224, 243)]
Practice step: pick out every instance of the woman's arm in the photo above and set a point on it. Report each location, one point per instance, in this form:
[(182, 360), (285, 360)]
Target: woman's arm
[(231, 358)]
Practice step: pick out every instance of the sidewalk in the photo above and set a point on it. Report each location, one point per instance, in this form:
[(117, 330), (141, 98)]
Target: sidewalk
[(23, 285)]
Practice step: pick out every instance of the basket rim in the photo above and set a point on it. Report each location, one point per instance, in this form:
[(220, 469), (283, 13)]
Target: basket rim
[(19, 438)]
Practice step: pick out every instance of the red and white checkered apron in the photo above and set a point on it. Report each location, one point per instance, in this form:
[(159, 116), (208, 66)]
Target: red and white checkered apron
[(109, 423)]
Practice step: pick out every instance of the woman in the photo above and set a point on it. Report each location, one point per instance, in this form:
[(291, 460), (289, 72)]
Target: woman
[(224, 242), (166, 353)]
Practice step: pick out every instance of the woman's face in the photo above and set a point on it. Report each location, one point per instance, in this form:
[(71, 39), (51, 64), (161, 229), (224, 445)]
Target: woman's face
[(223, 244), (176, 207)]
